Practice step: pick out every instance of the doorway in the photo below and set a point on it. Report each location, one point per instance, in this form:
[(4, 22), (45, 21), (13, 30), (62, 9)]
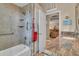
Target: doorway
[(53, 32)]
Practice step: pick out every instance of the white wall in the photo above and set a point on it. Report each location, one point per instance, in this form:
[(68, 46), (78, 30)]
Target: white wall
[(10, 10), (67, 9)]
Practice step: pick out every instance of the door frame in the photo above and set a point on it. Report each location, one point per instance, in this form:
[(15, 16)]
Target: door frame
[(53, 11)]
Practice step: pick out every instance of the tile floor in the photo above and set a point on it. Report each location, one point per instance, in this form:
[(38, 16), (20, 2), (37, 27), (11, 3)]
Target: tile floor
[(56, 51)]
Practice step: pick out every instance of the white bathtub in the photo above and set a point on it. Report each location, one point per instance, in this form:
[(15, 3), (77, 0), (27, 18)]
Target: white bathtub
[(19, 50)]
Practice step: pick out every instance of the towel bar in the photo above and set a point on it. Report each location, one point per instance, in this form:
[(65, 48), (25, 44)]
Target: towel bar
[(7, 34)]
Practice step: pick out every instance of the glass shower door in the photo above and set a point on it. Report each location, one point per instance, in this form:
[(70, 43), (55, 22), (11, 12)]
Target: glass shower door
[(28, 29)]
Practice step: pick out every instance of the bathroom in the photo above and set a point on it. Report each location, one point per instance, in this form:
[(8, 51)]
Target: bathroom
[(17, 22), (12, 22), (24, 29)]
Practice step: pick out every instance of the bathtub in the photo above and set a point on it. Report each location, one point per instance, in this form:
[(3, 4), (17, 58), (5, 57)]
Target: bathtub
[(19, 50)]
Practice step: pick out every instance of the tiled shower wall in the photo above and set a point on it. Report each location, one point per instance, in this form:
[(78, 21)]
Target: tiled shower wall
[(12, 14)]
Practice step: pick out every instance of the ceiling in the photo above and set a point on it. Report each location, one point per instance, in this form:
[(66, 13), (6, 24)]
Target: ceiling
[(21, 4), (48, 6)]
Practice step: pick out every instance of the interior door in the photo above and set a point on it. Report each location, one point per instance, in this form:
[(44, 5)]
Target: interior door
[(42, 31)]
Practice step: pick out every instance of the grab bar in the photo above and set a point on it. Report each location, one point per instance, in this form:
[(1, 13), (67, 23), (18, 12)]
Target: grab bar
[(7, 34)]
